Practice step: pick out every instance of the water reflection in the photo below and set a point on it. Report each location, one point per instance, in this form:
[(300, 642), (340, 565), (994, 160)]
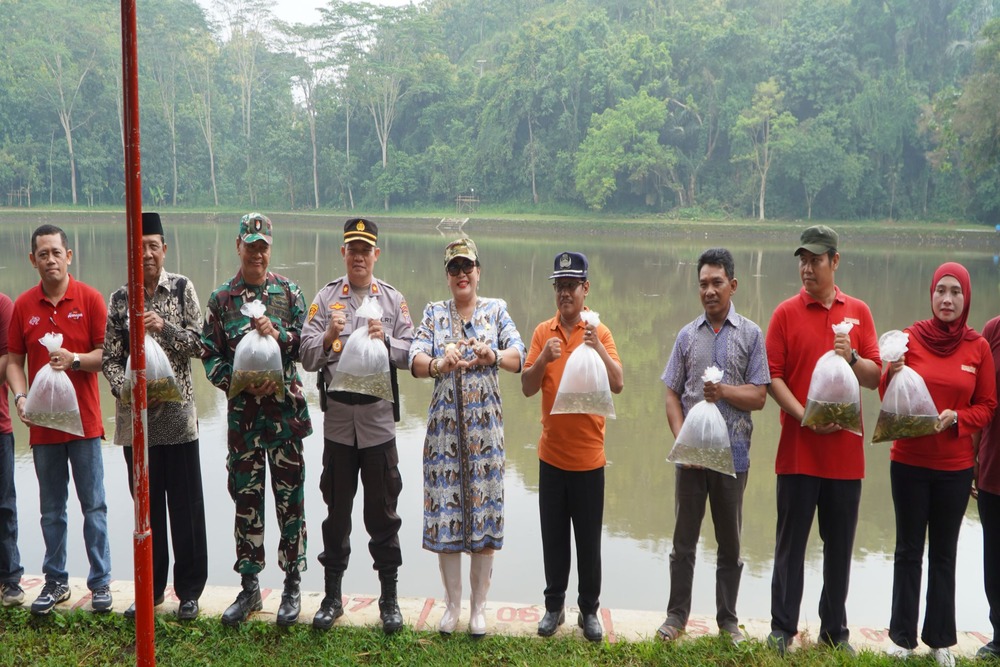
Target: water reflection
[(643, 285)]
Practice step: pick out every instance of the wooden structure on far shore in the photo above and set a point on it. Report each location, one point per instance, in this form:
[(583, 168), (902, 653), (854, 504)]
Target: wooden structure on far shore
[(466, 204)]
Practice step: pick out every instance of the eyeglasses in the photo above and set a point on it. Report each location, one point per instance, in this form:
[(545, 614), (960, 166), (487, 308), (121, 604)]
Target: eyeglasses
[(566, 286), (465, 267)]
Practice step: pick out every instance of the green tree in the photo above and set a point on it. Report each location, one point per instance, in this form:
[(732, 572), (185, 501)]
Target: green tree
[(762, 129), (623, 147), (62, 61), (813, 156)]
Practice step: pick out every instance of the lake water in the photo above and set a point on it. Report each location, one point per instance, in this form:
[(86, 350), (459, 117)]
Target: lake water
[(644, 285)]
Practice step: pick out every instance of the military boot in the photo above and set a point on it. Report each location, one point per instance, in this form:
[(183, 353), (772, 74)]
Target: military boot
[(247, 601), (332, 607), (291, 600), (388, 605)]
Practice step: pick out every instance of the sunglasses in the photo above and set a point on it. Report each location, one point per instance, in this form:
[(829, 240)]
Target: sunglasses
[(456, 268)]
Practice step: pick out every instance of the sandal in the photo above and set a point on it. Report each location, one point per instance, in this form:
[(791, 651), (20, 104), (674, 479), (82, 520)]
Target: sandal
[(667, 632)]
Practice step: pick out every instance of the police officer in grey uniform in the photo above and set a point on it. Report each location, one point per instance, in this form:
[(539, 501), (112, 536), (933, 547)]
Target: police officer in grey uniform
[(359, 431)]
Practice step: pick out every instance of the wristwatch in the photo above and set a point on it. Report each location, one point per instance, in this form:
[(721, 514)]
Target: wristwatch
[(18, 396), (76, 362), (854, 357)]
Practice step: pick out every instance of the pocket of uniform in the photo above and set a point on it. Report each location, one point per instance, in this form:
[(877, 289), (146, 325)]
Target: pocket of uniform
[(393, 481)]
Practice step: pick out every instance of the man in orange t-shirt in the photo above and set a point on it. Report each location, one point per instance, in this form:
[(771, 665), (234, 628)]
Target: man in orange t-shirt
[(570, 450)]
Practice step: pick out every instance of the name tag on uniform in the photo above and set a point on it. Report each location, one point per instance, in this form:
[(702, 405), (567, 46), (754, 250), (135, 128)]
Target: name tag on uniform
[(969, 369)]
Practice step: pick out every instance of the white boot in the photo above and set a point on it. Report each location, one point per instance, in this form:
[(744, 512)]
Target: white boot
[(479, 576), (451, 576)]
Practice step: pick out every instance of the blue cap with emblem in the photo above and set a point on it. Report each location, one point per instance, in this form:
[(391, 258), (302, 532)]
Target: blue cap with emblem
[(570, 265)]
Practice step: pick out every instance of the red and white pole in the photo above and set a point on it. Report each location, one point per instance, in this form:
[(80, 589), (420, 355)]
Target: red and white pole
[(145, 654)]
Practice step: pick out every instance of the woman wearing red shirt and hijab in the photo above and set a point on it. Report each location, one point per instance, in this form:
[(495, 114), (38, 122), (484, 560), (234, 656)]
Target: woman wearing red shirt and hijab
[(931, 475)]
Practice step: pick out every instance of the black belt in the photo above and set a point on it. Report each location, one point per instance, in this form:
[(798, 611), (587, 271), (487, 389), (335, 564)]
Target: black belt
[(352, 398)]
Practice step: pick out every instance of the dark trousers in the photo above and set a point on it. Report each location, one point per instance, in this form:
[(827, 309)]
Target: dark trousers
[(379, 470), (10, 558), (569, 497), (928, 503), (989, 516), (175, 488), (692, 486), (836, 503)]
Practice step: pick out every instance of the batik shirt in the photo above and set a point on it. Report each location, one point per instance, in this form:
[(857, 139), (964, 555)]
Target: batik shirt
[(257, 421), (738, 350), (176, 301)]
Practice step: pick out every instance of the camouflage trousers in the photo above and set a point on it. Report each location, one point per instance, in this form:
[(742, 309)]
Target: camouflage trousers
[(246, 487)]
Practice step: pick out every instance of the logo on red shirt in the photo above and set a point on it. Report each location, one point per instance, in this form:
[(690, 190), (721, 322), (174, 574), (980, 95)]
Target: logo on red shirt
[(75, 314), (33, 322)]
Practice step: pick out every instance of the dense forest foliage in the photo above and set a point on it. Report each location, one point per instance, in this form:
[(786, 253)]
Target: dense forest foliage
[(780, 108)]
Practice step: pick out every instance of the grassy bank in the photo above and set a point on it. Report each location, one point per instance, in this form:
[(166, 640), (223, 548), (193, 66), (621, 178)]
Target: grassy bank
[(81, 638)]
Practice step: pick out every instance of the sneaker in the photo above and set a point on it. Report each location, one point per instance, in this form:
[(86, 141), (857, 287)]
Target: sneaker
[(734, 635), (12, 594), (899, 652), (989, 652), (844, 646), (52, 594), (779, 643), (100, 600), (943, 657)]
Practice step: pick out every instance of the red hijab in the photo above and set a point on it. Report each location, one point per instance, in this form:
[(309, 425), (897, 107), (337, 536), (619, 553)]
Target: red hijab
[(943, 338)]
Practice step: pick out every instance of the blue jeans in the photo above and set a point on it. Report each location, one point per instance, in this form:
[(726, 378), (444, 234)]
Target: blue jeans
[(53, 491), (10, 557)]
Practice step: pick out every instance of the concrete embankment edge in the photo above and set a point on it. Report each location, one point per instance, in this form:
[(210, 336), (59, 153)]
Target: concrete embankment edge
[(508, 618)]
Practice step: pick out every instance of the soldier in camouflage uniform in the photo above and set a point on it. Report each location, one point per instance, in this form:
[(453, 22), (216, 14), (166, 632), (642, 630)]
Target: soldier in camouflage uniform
[(173, 319), (261, 428)]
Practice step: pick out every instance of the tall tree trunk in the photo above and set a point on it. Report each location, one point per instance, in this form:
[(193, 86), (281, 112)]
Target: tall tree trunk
[(347, 115), (531, 159), (173, 160), (66, 121), (763, 189), (312, 138)]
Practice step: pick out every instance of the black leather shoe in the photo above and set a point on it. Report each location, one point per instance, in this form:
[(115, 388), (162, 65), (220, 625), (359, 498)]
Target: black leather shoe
[(591, 627), (291, 601), (247, 601), (188, 610), (550, 622), (130, 612)]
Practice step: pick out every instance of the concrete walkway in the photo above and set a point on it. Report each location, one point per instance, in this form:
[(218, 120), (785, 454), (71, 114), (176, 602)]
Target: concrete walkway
[(502, 617)]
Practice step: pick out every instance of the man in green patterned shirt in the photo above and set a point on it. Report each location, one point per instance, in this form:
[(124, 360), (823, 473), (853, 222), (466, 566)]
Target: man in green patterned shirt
[(262, 427)]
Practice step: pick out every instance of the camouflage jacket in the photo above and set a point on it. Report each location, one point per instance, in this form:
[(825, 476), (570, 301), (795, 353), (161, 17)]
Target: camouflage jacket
[(257, 422), (176, 301)]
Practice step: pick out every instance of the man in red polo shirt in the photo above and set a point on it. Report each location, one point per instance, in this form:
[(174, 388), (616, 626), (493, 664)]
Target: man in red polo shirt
[(818, 467), (61, 304), (570, 451)]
